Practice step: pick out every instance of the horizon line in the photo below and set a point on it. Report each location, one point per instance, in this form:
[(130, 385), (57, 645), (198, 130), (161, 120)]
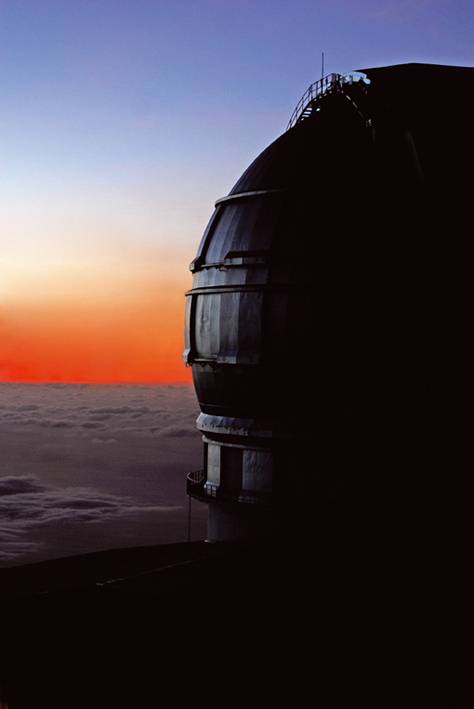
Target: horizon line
[(96, 383)]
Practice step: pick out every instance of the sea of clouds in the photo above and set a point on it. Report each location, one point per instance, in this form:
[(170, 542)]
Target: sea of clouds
[(85, 467)]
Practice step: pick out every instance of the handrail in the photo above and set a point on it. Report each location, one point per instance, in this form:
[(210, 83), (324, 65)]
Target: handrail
[(196, 477), (196, 487), (312, 92), (328, 84)]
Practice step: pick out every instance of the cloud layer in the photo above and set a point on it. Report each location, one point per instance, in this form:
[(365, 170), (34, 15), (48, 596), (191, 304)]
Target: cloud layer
[(157, 411), (88, 467), (26, 503)]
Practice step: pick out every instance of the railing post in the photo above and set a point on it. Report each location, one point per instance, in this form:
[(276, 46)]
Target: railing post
[(312, 92), (189, 519)]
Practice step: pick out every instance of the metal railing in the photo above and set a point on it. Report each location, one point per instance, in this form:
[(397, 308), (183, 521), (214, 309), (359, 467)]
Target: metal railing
[(196, 487), (320, 87), (195, 482), (328, 84)]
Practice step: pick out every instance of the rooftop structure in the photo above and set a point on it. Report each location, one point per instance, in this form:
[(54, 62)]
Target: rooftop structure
[(313, 322)]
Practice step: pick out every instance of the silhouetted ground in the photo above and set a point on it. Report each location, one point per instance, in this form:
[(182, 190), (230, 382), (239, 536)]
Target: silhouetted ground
[(219, 624), (75, 637)]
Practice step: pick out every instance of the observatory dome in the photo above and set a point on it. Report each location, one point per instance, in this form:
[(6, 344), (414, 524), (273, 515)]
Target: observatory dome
[(311, 321)]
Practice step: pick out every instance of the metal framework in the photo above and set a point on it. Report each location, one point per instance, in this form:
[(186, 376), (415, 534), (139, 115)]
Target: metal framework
[(304, 106), (331, 83), (196, 487)]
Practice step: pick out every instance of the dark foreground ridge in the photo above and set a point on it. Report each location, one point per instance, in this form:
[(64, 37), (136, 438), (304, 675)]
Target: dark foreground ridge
[(117, 569), (173, 623), (135, 627), (112, 628)]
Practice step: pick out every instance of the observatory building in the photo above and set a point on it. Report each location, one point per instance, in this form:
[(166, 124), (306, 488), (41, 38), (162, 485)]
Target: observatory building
[(318, 319)]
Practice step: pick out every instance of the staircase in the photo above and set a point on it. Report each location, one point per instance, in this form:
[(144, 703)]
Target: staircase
[(305, 105)]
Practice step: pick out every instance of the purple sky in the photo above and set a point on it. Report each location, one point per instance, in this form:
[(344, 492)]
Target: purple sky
[(146, 111)]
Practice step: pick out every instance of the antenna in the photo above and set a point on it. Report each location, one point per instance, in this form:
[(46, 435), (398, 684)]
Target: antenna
[(322, 65)]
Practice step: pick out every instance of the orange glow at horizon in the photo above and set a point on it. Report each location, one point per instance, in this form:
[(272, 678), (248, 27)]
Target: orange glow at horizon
[(135, 336)]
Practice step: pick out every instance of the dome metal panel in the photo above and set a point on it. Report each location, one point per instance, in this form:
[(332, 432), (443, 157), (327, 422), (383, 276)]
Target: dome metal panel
[(308, 319)]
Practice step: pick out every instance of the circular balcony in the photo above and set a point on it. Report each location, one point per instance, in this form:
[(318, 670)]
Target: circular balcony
[(197, 487), (195, 482)]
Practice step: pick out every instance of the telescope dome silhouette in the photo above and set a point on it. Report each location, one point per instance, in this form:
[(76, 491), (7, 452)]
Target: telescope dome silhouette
[(313, 323)]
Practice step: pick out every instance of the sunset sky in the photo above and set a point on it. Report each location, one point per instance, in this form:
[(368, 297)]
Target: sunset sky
[(120, 125)]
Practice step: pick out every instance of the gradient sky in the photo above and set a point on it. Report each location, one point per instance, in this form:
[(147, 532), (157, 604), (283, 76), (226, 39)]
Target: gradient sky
[(122, 122)]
